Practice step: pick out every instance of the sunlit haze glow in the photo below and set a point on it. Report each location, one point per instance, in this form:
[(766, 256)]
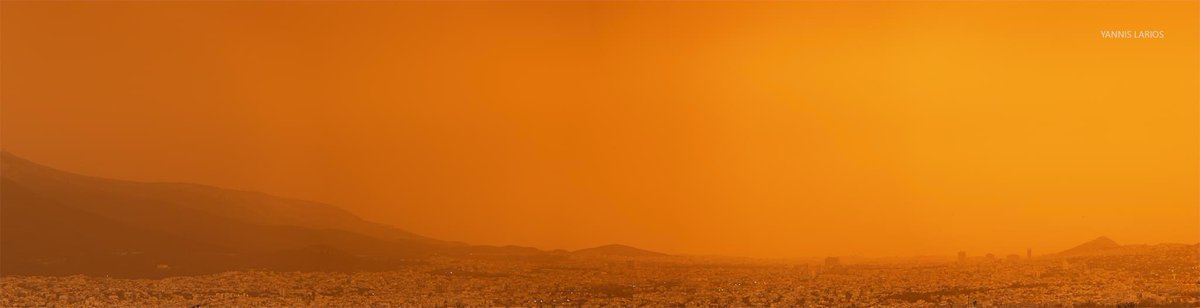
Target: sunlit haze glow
[(769, 129)]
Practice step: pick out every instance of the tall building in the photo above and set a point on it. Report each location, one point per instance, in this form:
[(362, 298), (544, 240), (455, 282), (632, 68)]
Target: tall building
[(1029, 253), (962, 257)]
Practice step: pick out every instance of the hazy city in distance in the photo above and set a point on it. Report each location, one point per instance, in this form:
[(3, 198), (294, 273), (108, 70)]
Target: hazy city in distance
[(74, 240), (599, 153)]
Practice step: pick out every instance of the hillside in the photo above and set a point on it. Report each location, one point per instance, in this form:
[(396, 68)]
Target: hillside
[(1098, 245), (55, 222), (617, 251)]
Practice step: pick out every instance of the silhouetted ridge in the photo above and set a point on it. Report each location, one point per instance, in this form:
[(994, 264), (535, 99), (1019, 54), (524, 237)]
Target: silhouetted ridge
[(1097, 245), (247, 206), (59, 223), (617, 250)]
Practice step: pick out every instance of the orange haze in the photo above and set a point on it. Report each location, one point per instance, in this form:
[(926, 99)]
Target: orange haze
[(759, 129)]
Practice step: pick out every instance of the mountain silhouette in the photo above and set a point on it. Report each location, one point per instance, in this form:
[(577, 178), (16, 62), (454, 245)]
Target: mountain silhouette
[(251, 207), (54, 222), (617, 251), (58, 223), (1098, 245)]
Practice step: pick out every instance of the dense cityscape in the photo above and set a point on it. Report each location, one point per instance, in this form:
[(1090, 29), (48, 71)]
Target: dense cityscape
[(1159, 277)]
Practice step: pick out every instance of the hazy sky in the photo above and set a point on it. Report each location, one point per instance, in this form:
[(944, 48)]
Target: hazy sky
[(760, 129)]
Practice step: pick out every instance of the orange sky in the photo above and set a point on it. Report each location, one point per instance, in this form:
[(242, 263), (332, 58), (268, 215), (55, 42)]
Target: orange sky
[(759, 129)]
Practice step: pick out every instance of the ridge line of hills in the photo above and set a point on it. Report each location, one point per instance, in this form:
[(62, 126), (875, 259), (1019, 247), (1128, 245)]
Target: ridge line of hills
[(54, 222)]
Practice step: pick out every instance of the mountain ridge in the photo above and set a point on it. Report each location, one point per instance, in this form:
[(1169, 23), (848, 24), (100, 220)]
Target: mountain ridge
[(617, 250), (1097, 245), (238, 204), (54, 222)]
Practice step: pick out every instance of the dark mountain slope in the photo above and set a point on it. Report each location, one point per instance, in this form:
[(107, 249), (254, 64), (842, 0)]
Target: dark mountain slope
[(1098, 245), (250, 207), (53, 222), (617, 250)]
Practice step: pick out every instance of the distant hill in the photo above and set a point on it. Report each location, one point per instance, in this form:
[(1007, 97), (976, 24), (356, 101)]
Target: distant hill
[(1098, 245), (246, 206), (54, 222), (617, 251)]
